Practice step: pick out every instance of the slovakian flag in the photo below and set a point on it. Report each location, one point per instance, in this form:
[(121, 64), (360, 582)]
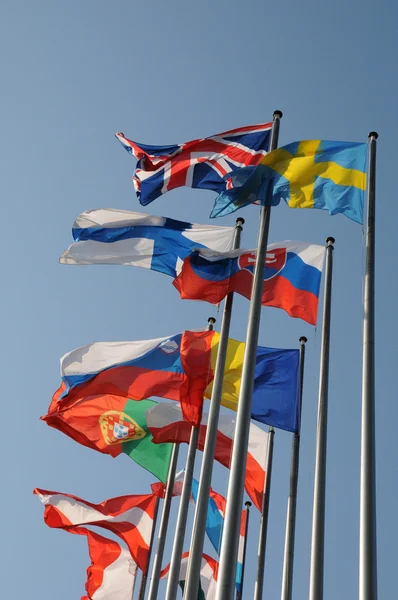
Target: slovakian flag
[(206, 163), (129, 517), (215, 524), (166, 423), (175, 367), (118, 237), (208, 576), (112, 573), (292, 277), (113, 425)]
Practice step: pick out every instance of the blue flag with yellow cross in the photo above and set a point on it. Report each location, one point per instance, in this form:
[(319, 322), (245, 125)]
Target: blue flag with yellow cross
[(306, 174)]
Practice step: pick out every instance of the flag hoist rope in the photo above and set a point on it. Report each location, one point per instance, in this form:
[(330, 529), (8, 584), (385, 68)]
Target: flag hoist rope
[(173, 578), (318, 510), (288, 559), (229, 547)]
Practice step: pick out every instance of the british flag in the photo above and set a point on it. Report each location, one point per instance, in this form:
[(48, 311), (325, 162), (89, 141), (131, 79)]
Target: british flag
[(204, 163)]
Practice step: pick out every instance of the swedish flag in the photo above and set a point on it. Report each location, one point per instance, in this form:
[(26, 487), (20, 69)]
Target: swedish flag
[(306, 174)]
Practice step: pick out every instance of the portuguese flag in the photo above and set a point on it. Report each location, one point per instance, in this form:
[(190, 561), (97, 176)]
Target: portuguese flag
[(113, 425)]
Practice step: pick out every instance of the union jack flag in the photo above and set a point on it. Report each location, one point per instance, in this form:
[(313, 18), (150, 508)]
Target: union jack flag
[(204, 163)]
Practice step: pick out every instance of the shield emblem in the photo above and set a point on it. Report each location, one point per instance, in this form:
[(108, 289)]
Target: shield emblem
[(119, 427), (274, 262)]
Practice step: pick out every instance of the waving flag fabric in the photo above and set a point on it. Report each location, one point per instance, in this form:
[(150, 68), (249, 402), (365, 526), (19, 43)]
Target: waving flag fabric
[(166, 424), (112, 573), (129, 517), (204, 163), (113, 425), (160, 489), (275, 399), (292, 277), (215, 525), (119, 237), (306, 174), (208, 575), (176, 367)]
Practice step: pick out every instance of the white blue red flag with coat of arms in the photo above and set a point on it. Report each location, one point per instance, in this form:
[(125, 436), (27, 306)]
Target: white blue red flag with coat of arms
[(206, 163)]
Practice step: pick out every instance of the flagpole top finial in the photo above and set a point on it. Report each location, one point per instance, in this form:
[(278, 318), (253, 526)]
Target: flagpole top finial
[(373, 134), (278, 113), (303, 340), (330, 241), (211, 321), (248, 504), (240, 221)]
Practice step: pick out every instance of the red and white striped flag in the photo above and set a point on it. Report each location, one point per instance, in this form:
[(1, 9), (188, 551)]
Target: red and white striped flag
[(208, 574), (129, 517), (166, 423), (112, 573)]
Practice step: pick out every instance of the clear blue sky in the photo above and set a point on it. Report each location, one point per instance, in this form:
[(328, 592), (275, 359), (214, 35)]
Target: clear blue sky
[(72, 74)]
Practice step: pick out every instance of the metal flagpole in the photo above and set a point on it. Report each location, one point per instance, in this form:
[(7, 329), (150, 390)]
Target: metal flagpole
[(240, 592), (229, 547), (157, 563), (199, 526), (262, 541), (175, 563), (318, 510), (288, 559), (144, 577), (367, 530)]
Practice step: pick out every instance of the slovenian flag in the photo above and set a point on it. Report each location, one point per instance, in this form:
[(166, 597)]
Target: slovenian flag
[(166, 423), (175, 367), (208, 575), (292, 277), (119, 237), (129, 517)]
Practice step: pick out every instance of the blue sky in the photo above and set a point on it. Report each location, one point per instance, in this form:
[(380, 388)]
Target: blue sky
[(72, 75)]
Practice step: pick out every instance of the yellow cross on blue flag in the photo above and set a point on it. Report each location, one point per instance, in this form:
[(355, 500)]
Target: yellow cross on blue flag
[(306, 174)]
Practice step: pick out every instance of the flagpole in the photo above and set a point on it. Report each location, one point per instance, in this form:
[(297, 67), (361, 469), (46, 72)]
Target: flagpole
[(288, 559), (262, 542), (157, 563), (229, 547), (367, 530), (240, 592), (318, 511), (175, 563), (144, 577), (199, 526)]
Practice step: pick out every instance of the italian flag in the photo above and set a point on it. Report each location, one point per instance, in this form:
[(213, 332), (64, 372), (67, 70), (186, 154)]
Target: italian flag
[(114, 425), (208, 576), (129, 517)]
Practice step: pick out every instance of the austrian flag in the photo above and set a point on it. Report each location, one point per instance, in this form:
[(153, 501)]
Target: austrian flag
[(205, 163)]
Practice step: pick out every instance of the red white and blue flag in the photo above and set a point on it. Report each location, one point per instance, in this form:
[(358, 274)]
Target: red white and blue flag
[(292, 277), (203, 163)]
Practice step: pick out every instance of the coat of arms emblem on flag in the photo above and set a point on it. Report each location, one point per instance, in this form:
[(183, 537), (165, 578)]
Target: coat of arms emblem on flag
[(118, 427)]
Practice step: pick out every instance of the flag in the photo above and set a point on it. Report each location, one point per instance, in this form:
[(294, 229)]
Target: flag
[(129, 517), (306, 174), (275, 399), (112, 573), (215, 524), (208, 575), (114, 425), (119, 237), (292, 277), (159, 489), (176, 367), (205, 163), (166, 424)]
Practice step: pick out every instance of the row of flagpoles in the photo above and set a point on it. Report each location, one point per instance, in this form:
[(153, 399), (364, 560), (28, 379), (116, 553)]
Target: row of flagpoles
[(68, 399)]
